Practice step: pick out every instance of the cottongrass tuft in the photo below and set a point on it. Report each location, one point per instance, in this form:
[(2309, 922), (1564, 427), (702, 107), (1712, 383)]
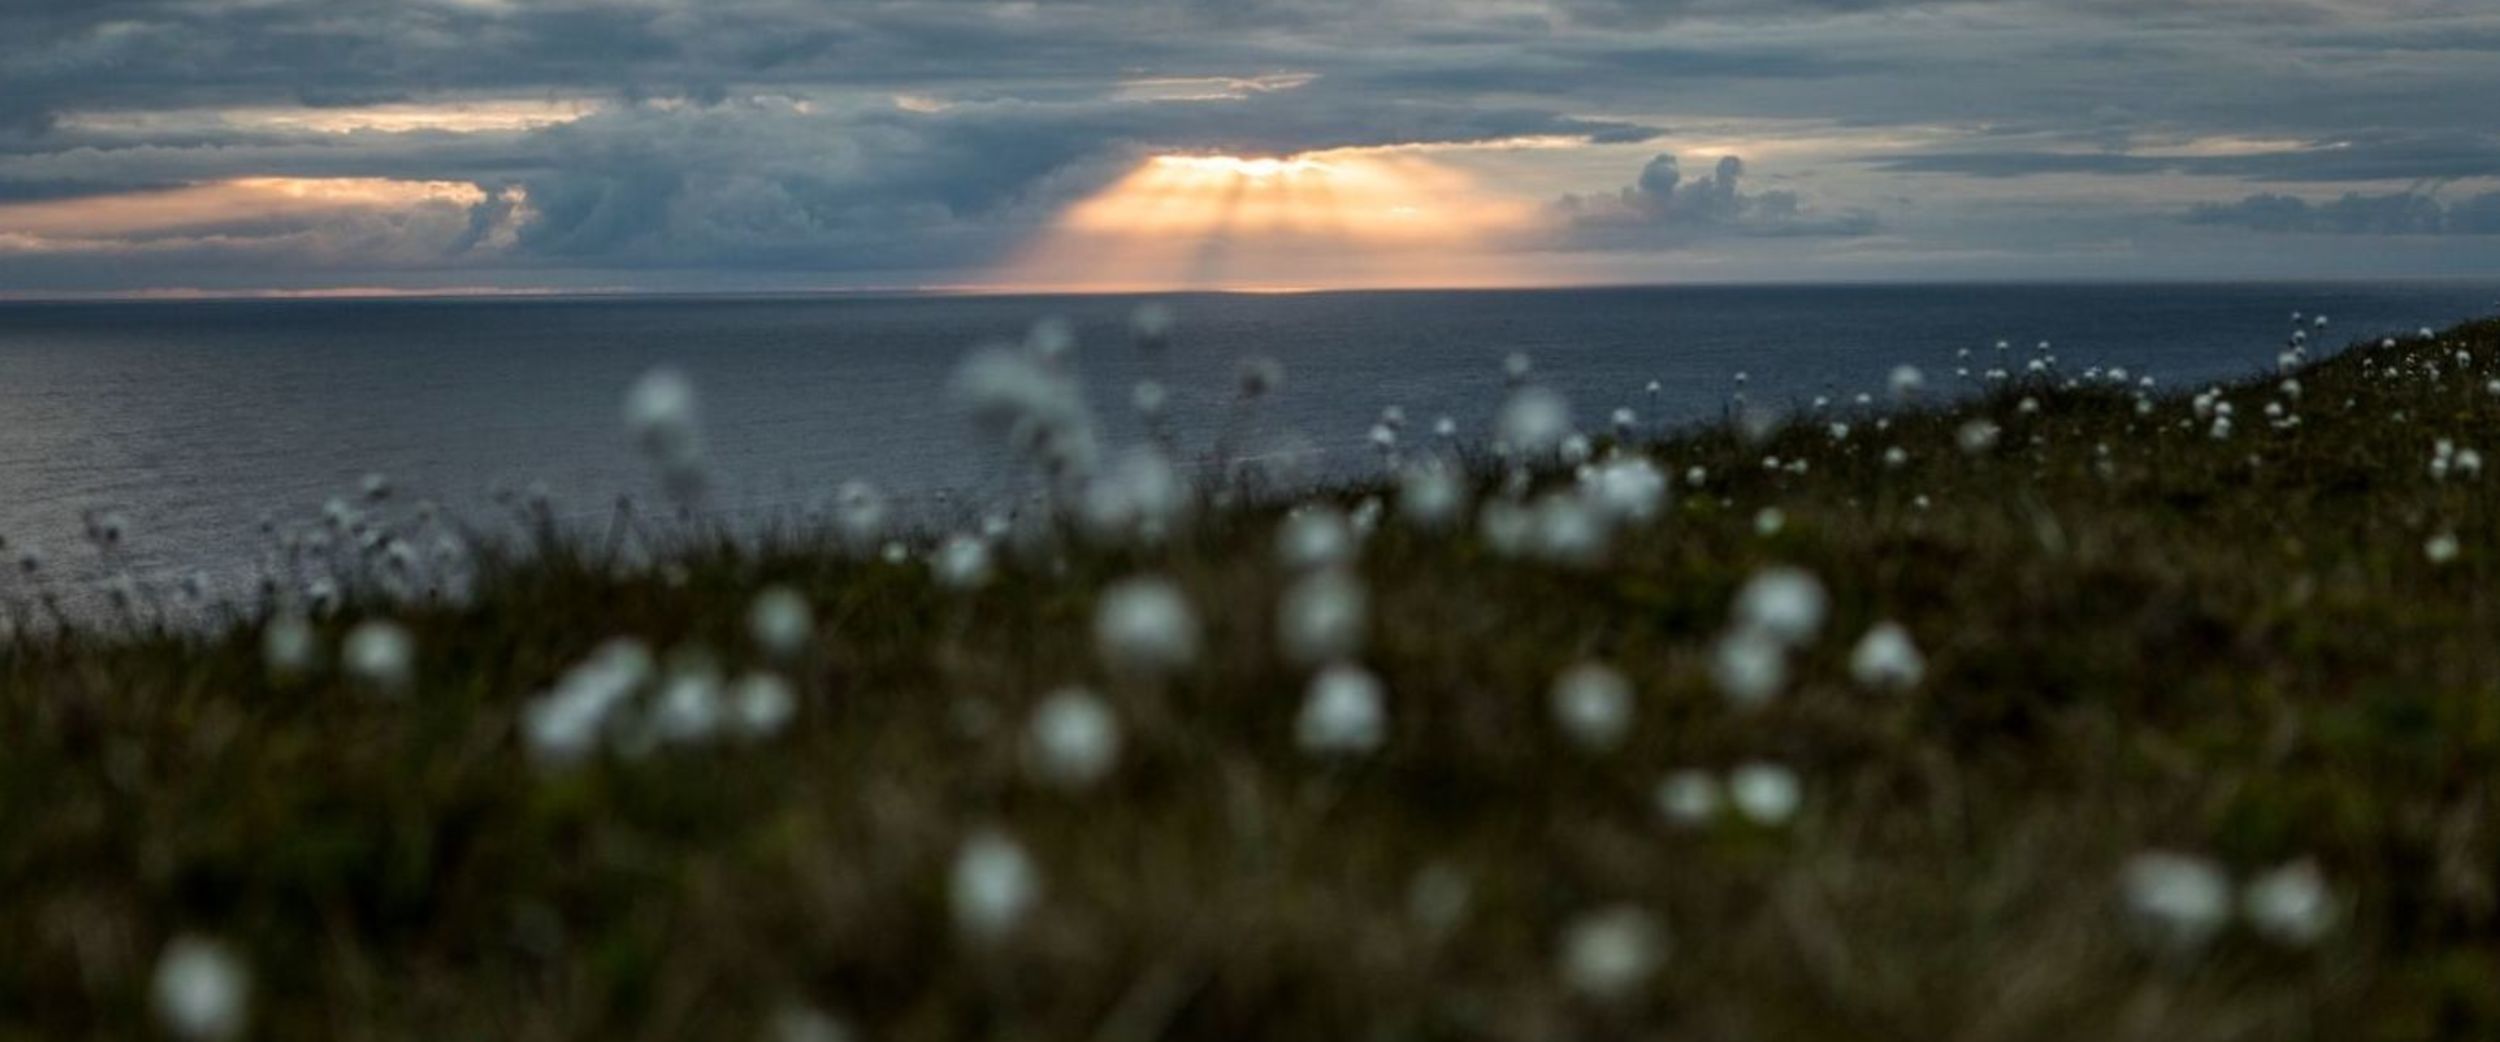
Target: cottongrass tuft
[(1689, 797), (1438, 898), (1568, 529), (993, 886), (565, 723), (1592, 703), (1907, 382), (1631, 490), (1314, 536), (1322, 618), (761, 705), (662, 415), (380, 655), (2441, 548), (800, 1022), (1144, 626), (1886, 659), (962, 562), (1767, 794), (691, 707), (202, 990), (1608, 954), (2290, 905), (859, 514), (1534, 421), (1976, 436), (1785, 602), (1749, 666), (1073, 739), (1345, 713), (1431, 495), (2176, 902), (288, 646), (780, 622)]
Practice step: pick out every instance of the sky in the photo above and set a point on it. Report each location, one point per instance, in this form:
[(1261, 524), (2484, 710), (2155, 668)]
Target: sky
[(174, 147)]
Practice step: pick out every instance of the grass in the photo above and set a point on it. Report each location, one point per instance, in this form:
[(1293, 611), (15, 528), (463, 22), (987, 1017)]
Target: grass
[(2235, 648)]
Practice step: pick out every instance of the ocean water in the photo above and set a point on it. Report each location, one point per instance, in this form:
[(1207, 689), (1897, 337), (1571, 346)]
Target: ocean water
[(199, 422)]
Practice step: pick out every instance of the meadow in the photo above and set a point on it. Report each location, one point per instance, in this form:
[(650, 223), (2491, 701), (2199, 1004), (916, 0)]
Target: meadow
[(2035, 701)]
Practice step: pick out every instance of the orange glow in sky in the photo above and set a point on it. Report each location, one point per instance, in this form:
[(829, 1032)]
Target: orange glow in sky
[(1340, 219), (203, 208)]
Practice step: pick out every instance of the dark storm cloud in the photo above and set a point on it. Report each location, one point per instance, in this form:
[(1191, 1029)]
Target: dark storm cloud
[(2355, 213), (1664, 208)]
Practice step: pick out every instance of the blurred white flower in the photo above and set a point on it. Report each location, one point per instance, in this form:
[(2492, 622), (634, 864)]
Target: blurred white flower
[(1431, 495), (799, 1022), (202, 989), (2290, 904), (1145, 626), (1896, 457), (1322, 618), (1073, 739), (761, 705), (1609, 953), (859, 514), (1151, 324), (1768, 521), (1313, 536), (1785, 602), (690, 706), (1886, 659), (963, 562), (662, 416), (1592, 704), (780, 622), (381, 655), (1506, 526), (2441, 548), (565, 723), (1749, 666), (1976, 436), (1345, 713), (1142, 497), (1438, 897), (1632, 490), (1689, 797), (993, 887), (1907, 381), (288, 646), (1516, 367), (1765, 793), (2177, 902), (1569, 530), (1534, 421)]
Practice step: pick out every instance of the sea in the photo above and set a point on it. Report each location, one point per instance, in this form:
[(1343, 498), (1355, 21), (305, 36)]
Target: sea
[(202, 427)]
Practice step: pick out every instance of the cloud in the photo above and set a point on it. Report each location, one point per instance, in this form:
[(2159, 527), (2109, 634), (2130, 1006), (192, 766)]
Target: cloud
[(2353, 213), (1662, 209), (2368, 156)]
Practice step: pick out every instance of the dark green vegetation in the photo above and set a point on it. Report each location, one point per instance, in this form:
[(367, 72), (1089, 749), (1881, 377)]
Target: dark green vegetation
[(2235, 648)]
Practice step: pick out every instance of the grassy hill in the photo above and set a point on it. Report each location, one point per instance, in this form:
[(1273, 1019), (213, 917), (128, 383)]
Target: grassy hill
[(2194, 734)]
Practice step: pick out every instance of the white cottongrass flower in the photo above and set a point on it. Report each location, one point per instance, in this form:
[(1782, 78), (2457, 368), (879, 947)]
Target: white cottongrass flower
[(202, 990), (1073, 739), (1438, 897), (662, 415), (1321, 618), (1592, 703), (1034, 403), (1534, 421), (1145, 626), (381, 655), (1765, 793), (1896, 457), (1142, 496), (690, 706), (1507, 526), (1631, 490), (1431, 495), (1768, 521), (2290, 904), (761, 705), (2441, 548), (962, 562), (1607, 954), (1749, 666), (1785, 602), (1976, 436), (1689, 797), (780, 622), (565, 723), (2177, 902), (1314, 536), (288, 646), (1569, 529), (1345, 713), (800, 1022), (1907, 381), (994, 885), (1886, 659), (859, 514)]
